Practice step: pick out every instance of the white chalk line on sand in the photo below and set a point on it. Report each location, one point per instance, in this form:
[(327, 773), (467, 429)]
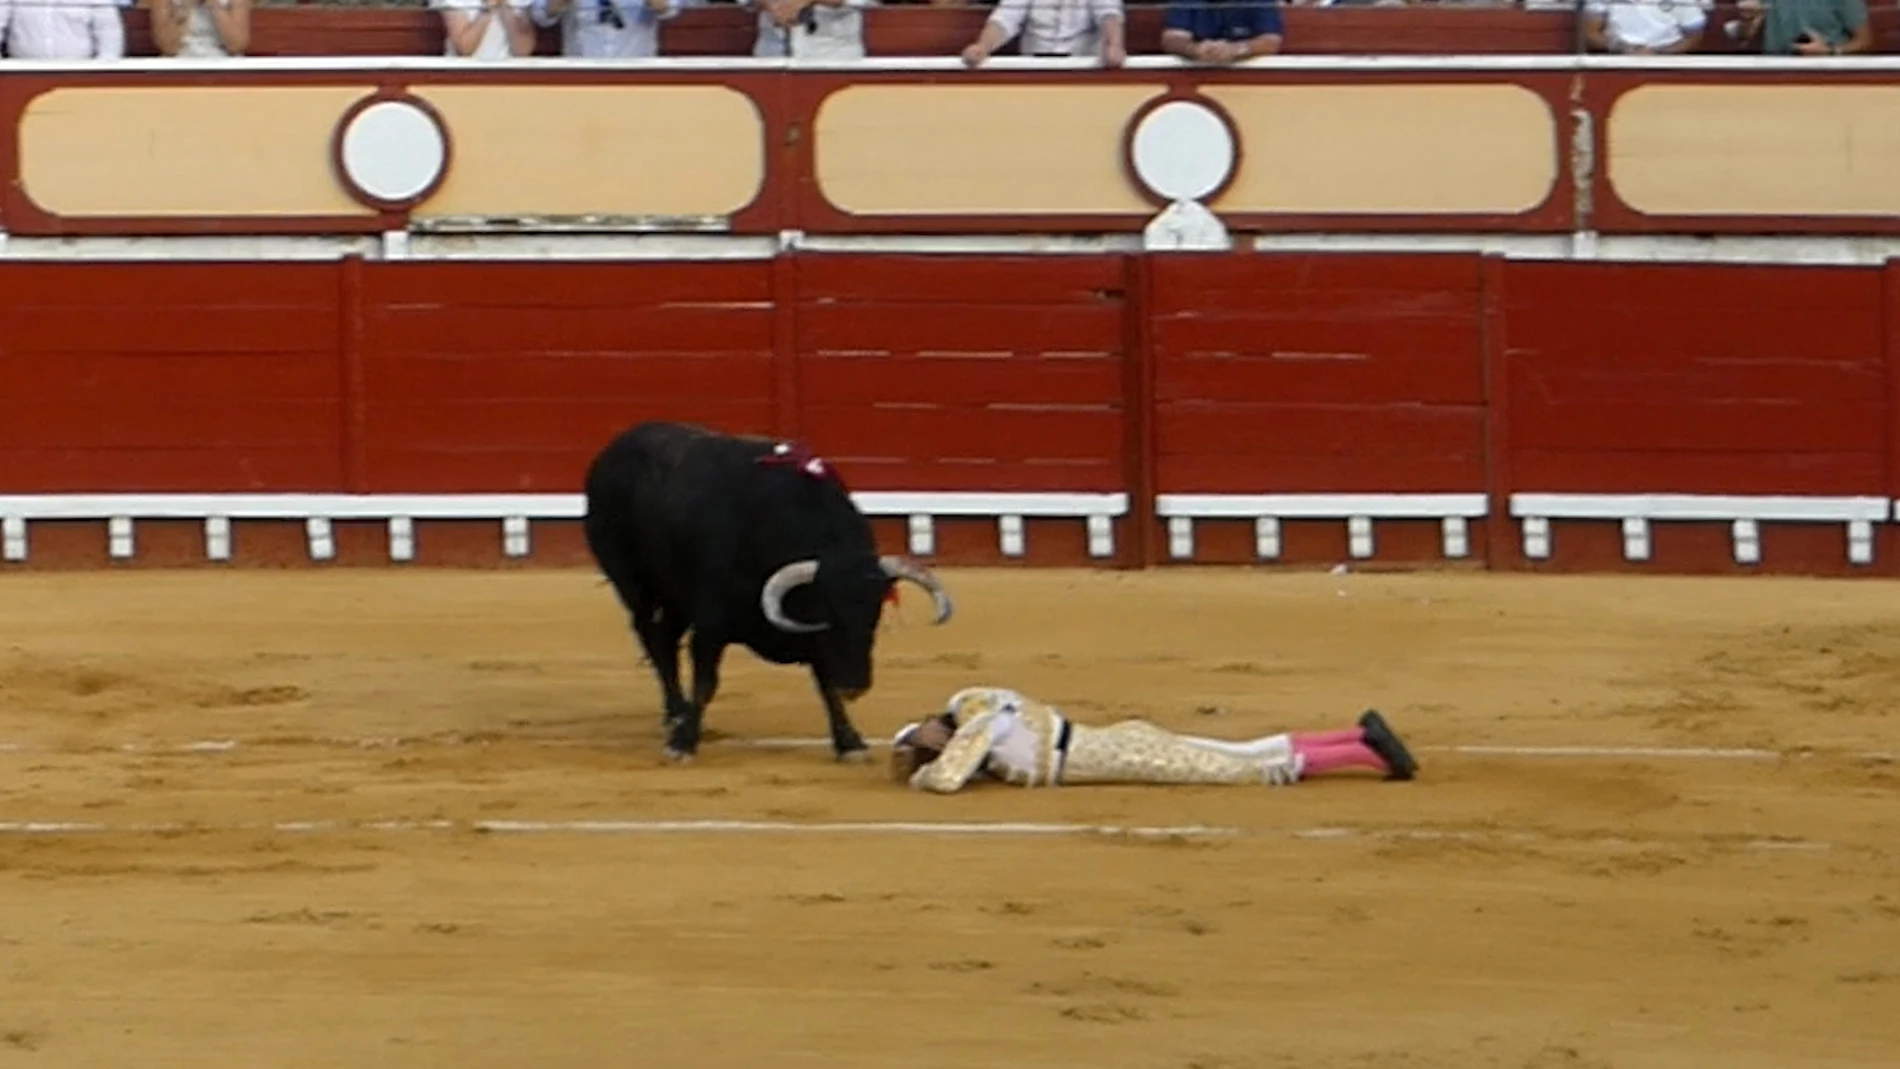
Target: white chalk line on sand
[(627, 827), (774, 827), (214, 746)]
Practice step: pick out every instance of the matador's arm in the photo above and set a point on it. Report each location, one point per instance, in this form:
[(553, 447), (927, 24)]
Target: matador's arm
[(961, 756)]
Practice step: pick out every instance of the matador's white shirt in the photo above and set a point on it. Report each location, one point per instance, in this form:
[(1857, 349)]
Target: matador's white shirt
[(999, 731)]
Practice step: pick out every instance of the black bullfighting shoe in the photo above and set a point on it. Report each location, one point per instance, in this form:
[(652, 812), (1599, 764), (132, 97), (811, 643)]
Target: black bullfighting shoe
[(1382, 740)]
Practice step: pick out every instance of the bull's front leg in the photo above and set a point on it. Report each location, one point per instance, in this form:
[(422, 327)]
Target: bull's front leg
[(846, 743), (682, 742)]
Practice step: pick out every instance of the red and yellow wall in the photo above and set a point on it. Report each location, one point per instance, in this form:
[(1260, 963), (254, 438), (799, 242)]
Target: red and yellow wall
[(1508, 145), (1112, 407)]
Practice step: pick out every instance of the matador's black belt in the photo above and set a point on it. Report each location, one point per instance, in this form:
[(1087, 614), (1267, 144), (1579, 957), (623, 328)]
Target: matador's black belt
[(1061, 758)]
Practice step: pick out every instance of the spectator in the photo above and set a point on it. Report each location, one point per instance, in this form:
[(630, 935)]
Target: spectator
[(606, 29), (62, 29), (810, 29), (1054, 28), (1806, 27), (486, 29), (201, 29), (1644, 27), (1222, 31)]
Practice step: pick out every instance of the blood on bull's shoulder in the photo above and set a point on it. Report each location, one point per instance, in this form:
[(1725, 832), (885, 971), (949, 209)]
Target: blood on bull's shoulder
[(793, 456)]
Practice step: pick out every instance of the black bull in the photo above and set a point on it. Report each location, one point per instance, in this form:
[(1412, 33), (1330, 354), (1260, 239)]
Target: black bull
[(741, 540)]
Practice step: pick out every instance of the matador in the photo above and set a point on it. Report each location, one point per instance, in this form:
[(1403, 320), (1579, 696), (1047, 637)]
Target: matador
[(1000, 734)]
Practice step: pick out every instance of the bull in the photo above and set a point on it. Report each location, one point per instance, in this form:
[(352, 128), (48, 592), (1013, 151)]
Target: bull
[(741, 540)]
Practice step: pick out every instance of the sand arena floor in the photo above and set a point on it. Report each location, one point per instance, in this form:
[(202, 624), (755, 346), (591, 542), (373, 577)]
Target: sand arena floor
[(1509, 910)]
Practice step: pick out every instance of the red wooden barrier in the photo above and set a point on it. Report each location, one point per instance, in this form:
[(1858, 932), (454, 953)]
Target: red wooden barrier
[(992, 376), (1708, 379), (920, 373), (1305, 375), (180, 376), (1381, 409), (485, 377)]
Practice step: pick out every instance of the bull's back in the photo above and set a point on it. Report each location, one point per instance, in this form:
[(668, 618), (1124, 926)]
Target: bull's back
[(680, 511), (660, 498)]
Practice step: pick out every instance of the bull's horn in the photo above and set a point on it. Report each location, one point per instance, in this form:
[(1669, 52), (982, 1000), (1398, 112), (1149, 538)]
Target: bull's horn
[(772, 598), (903, 568)]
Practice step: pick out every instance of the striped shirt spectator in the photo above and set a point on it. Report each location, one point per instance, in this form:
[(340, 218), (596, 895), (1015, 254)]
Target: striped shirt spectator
[(1053, 28), (606, 29)]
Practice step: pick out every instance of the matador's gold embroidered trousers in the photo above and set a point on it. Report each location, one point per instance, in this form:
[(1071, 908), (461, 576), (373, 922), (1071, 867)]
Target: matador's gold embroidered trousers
[(1135, 751)]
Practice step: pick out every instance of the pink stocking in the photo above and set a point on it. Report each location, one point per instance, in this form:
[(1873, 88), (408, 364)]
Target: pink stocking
[(1329, 757), (1328, 738)]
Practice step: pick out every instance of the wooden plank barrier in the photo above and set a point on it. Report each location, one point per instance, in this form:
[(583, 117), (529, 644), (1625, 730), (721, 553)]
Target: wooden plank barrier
[(1379, 410)]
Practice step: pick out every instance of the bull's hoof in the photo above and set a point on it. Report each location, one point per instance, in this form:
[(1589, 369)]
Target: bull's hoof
[(859, 756), (676, 757)]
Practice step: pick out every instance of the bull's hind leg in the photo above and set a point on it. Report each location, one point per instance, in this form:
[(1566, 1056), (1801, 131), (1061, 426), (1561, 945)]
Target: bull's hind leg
[(659, 631), (660, 636), (846, 743)]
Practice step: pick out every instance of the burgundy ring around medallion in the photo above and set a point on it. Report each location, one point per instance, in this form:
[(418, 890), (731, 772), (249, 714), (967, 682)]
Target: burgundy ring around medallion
[(391, 150), (1181, 146)]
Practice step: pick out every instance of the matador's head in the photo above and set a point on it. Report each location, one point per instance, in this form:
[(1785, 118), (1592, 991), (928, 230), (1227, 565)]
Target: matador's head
[(917, 744)]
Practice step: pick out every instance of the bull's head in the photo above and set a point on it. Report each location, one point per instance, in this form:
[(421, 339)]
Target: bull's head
[(851, 594)]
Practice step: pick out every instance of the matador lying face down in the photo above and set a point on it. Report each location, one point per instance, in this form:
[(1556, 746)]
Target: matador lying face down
[(1002, 735)]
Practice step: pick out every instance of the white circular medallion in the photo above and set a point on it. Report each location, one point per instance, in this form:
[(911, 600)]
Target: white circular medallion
[(1183, 150), (393, 150)]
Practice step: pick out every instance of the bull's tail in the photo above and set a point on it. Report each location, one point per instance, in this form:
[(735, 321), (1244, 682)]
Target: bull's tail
[(616, 570)]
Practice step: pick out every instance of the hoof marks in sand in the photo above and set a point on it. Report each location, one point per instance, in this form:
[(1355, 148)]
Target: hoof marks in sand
[(22, 1039)]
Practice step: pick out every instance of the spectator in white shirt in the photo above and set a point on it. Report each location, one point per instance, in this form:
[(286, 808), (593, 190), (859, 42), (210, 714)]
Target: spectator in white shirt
[(606, 29), (1054, 28), (486, 29), (62, 29), (201, 29), (1644, 27), (810, 29)]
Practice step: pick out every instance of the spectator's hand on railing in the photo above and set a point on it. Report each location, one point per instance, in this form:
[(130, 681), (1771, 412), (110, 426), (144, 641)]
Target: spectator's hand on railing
[(785, 12), (1114, 40), (467, 28), (174, 34), (1748, 26), (1811, 43), (1216, 51), (992, 37)]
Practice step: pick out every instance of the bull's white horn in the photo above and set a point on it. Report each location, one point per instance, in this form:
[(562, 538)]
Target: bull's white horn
[(903, 568), (772, 597)]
